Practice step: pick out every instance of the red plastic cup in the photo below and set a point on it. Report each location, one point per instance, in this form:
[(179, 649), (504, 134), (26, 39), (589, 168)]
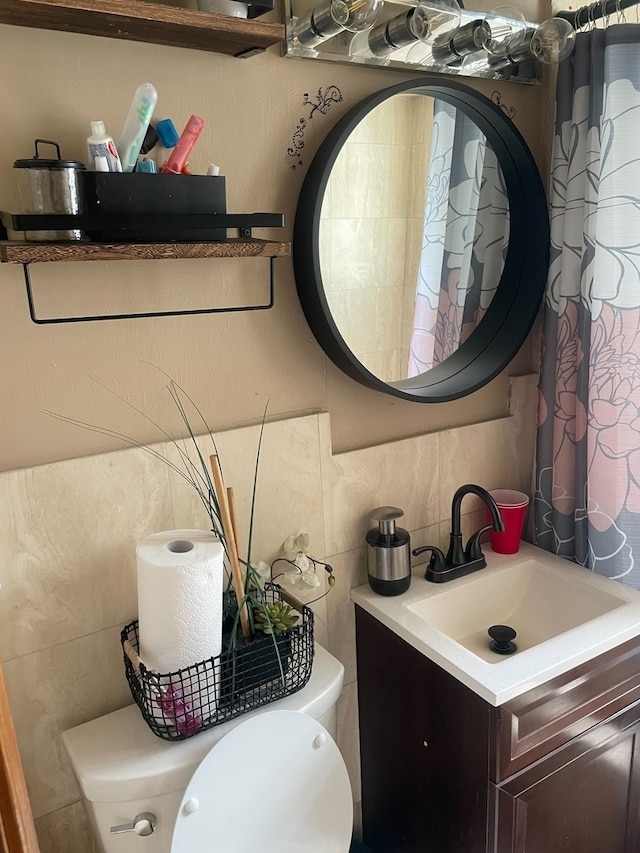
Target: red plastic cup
[(513, 509)]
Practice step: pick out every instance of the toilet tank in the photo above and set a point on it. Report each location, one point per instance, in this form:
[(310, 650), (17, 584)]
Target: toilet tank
[(124, 769)]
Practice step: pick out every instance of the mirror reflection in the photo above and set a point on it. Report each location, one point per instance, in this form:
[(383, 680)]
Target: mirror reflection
[(414, 232)]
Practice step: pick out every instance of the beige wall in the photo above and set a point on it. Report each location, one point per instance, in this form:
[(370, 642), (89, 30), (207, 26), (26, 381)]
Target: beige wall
[(53, 85)]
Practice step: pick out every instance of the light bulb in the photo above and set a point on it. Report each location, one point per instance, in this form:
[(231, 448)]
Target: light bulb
[(436, 19), (426, 22), (508, 30), (357, 15), (331, 17), (553, 41), (550, 42), (515, 53)]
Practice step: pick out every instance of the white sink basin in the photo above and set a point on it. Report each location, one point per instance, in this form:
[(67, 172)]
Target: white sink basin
[(563, 614), (537, 601)]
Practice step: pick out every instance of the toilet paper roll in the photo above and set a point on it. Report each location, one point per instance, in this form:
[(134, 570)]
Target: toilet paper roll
[(180, 585)]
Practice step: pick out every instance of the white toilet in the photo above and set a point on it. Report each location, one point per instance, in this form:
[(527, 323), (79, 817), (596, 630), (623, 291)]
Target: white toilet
[(271, 780)]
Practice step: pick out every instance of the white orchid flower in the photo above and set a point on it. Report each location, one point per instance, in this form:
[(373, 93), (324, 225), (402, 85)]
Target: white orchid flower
[(264, 572), (303, 562), (293, 545), (309, 579), (294, 549)]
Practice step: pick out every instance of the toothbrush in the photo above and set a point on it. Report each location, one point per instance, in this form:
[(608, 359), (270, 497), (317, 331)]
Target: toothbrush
[(183, 147), (136, 125)]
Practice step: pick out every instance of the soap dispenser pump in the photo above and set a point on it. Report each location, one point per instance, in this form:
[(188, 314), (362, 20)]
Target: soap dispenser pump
[(388, 553)]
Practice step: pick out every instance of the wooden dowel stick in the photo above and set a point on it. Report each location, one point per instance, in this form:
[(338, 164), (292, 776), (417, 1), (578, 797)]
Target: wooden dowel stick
[(227, 528), (132, 654), (231, 497)]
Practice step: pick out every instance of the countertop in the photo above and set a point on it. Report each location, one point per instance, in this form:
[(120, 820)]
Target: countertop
[(510, 676)]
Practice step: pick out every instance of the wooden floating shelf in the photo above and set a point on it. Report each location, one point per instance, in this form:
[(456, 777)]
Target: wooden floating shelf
[(38, 253), (137, 20)]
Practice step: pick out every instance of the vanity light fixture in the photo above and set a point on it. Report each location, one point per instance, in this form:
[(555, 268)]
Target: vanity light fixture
[(501, 30), (438, 35), (468, 39), (331, 17), (428, 22), (513, 41), (549, 43)]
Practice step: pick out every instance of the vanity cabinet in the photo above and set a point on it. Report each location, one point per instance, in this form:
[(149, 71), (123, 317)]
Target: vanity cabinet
[(556, 770), (583, 797)]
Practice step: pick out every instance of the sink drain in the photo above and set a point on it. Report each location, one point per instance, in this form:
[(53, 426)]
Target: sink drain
[(502, 637)]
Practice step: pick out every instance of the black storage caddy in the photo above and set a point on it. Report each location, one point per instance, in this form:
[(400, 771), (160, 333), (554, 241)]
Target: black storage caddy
[(178, 705), (141, 194), (139, 207)]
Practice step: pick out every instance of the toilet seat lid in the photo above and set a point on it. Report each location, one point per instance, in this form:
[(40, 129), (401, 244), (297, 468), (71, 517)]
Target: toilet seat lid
[(276, 783)]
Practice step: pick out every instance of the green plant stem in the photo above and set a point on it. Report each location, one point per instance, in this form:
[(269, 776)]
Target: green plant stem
[(255, 485)]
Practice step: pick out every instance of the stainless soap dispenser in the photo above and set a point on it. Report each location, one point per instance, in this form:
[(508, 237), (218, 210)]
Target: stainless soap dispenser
[(388, 553)]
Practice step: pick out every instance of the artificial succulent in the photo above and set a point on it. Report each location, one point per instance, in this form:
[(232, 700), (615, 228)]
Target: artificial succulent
[(275, 618)]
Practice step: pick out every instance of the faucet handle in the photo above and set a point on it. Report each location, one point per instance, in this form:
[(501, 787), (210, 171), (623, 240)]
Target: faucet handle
[(473, 551), (437, 563)]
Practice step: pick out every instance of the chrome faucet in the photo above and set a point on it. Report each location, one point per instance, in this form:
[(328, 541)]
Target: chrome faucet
[(459, 560)]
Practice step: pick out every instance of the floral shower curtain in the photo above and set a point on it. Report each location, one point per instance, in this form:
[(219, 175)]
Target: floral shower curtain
[(464, 239), (587, 497)]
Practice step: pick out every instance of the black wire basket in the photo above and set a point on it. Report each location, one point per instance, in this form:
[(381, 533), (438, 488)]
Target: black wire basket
[(178, 705)]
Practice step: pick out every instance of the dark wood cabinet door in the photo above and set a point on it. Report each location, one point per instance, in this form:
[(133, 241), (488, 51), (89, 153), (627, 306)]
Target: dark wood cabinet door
[(555, 771), (582, 798), (549, 716), (424, 743)]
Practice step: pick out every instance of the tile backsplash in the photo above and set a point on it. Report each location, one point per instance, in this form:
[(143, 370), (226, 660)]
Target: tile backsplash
[(67, 560)]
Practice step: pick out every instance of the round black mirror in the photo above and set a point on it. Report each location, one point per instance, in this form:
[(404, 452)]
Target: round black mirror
[(421, 241)]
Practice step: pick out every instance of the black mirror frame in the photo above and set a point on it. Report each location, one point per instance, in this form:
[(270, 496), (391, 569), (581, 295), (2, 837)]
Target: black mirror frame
[(512, 311)]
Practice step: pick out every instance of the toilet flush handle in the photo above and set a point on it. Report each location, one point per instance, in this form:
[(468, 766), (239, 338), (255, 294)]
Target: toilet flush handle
[(143, 824)]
